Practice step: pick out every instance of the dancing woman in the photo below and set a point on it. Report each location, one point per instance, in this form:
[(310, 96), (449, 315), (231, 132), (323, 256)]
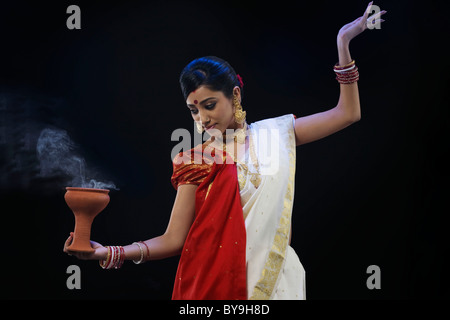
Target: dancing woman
[(231, 219)]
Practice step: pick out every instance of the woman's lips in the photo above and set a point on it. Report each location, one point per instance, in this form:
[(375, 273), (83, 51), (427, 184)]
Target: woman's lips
[(211, 127)]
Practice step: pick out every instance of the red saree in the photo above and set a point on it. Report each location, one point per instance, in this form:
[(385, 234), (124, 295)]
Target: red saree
[(212, 264)]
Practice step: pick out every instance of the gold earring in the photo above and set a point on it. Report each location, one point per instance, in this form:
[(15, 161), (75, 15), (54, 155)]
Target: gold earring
[(239, 114), (199, 127)]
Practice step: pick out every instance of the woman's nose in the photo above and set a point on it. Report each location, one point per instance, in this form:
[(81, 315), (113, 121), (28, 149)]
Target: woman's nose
[(204, 119)]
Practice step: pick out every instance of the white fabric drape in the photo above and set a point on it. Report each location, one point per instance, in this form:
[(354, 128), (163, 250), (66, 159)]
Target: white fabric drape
[(274, 270)]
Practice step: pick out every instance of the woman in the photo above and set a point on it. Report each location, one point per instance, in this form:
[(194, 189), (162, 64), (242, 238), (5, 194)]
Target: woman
[(231, 219)]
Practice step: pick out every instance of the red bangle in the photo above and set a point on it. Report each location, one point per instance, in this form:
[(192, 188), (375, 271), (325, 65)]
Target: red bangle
[(148, 251), (347, 76), (122, 257), (115, 256), (114, 259)]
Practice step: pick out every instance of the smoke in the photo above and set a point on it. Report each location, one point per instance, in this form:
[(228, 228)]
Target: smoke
[(35, 153), (57, 155)]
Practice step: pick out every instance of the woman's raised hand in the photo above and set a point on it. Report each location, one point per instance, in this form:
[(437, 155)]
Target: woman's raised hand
[(100, 252), (352, 29)]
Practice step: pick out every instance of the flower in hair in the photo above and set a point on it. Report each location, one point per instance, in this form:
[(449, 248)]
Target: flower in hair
[(240, 80)]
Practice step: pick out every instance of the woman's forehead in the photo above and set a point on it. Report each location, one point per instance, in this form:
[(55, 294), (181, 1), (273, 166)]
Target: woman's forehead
[(202, 93)]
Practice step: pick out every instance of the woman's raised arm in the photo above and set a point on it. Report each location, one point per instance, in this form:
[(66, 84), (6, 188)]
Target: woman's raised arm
[(347, 111)]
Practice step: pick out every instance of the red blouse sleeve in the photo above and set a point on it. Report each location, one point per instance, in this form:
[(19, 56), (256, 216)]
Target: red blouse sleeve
[(189, 169)]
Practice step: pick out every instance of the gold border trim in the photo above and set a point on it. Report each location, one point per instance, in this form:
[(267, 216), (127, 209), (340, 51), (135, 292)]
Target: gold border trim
[(264, 288)]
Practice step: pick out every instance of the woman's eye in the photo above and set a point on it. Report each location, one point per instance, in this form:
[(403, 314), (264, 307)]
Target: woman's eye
[(207, 107)]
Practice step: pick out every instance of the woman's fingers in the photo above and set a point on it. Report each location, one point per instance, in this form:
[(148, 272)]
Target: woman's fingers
[(95, 245), (68, 242), (374, 23), (375, 19), (376, 16), (368, 10), (80, 255)]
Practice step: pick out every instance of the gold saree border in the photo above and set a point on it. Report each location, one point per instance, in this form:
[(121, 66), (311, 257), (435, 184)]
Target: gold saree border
[(264, 288)]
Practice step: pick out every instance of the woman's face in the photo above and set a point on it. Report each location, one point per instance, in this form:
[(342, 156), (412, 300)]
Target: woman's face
[(212, 109)]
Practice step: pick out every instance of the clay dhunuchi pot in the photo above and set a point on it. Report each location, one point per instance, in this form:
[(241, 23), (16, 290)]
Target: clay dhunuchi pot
[(86, 204)]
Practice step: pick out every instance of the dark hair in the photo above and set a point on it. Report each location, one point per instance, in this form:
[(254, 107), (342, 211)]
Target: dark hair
[(211, 72)]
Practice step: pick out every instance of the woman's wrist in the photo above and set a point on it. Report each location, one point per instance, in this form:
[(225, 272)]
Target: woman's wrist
[(343, 51), (342, 41), (102, 253)]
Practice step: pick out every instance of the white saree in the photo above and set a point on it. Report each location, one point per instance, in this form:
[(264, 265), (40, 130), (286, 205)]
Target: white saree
[(274, 270)]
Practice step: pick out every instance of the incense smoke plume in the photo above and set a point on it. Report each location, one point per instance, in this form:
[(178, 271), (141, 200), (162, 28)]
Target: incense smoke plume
[(56, 154)]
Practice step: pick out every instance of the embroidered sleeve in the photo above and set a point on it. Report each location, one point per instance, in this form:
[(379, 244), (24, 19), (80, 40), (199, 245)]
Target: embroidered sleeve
[(188, 171)]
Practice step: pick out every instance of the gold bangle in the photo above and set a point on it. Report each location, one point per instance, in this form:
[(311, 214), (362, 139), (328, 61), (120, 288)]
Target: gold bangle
[(338, 67), (103, 263)]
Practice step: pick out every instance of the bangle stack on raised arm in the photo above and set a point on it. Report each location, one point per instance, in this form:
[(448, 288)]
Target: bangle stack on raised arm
[(347, 74)]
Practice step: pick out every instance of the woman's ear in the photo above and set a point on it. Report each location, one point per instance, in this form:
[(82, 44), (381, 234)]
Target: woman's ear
[(236, 96), (237, 93)]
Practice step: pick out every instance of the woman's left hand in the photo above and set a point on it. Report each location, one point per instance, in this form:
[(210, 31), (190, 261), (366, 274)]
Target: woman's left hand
[(352, 29), (100, 252)]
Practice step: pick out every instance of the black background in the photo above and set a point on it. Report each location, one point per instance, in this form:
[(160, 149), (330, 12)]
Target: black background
[(372, 194)]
